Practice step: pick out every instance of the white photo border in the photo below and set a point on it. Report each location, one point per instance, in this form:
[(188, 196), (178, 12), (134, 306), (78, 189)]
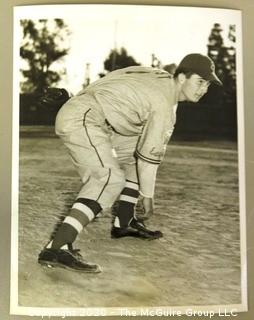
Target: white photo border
[(35, 11)]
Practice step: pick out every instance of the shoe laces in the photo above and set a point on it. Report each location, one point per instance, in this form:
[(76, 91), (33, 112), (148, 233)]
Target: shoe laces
[(75, 252), (138, 221)]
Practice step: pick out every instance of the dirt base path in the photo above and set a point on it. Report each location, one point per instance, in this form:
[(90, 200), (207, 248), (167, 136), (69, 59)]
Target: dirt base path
[(197, 262)]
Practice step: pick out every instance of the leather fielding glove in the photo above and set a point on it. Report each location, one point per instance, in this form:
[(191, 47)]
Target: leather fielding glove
[(53, 97)]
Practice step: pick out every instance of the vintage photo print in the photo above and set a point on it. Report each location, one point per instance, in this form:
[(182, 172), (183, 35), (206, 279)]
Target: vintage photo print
[(128, 190)]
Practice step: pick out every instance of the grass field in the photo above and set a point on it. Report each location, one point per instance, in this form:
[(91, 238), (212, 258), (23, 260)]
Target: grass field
[(197, 262)]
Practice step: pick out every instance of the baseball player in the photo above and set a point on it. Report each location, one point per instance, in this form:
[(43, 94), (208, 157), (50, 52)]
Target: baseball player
[(116, 131)]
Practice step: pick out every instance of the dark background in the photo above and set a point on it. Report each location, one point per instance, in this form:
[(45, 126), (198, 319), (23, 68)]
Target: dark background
[(247, 7)]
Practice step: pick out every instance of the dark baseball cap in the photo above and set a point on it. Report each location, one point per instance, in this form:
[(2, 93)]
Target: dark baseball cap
[(201, 65)]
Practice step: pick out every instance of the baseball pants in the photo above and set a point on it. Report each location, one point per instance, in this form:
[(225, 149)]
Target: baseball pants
[(103, 158)]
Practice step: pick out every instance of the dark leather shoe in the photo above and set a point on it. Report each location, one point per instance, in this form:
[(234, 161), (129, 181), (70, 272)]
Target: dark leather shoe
[(135, 229), (68, 259)]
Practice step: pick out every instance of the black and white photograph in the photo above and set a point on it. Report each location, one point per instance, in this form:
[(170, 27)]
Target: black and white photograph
[(128, 177)]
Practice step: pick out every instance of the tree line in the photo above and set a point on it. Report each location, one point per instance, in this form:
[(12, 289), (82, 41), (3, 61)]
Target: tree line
[(44, 45)]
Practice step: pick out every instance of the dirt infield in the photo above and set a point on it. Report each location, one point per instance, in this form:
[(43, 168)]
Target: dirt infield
[(197, 262)]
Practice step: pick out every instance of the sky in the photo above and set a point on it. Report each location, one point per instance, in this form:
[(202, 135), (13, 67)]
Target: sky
[(168, 32)]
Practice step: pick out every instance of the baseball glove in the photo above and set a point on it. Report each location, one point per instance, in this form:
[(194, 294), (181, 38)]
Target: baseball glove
[(53, 97)]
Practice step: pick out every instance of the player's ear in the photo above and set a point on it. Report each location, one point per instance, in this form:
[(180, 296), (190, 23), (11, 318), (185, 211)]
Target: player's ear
[(181, 78)]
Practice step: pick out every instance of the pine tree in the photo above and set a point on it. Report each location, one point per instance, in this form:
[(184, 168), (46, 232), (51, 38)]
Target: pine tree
[(119, 59), (42, 45), (224, 59)]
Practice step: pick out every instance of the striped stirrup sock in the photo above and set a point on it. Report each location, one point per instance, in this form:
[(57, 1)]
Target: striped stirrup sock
[(126, 204), (82, 212)]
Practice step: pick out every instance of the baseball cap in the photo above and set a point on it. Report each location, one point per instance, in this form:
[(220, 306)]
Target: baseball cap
[(201, 65)]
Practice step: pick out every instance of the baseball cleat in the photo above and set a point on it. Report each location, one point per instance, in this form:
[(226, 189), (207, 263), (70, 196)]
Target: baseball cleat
[(135, 229), (67, 259)]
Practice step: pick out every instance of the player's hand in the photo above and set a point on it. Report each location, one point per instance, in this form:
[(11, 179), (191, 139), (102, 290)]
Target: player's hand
[(144, 208)]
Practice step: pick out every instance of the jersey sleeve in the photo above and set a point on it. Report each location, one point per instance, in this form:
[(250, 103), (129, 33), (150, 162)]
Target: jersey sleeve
[(156, 133), (146, 176)]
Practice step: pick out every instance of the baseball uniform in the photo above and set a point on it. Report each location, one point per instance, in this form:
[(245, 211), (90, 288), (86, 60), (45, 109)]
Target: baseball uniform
[(127, 115), (116, 131)]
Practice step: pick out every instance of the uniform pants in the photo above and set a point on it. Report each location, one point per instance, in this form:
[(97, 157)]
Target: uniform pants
[(103, 158)]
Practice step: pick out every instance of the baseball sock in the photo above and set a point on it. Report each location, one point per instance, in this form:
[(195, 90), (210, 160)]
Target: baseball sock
[(126, 204), (82, 212)]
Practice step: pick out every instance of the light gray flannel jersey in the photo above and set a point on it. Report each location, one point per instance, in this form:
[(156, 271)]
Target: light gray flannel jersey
[(139, 101)]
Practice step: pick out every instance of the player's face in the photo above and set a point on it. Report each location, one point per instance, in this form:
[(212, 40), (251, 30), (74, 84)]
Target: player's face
[(194, 88)]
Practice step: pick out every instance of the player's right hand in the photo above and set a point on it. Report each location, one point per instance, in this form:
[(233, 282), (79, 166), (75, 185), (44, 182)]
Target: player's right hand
[(144, 208)]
